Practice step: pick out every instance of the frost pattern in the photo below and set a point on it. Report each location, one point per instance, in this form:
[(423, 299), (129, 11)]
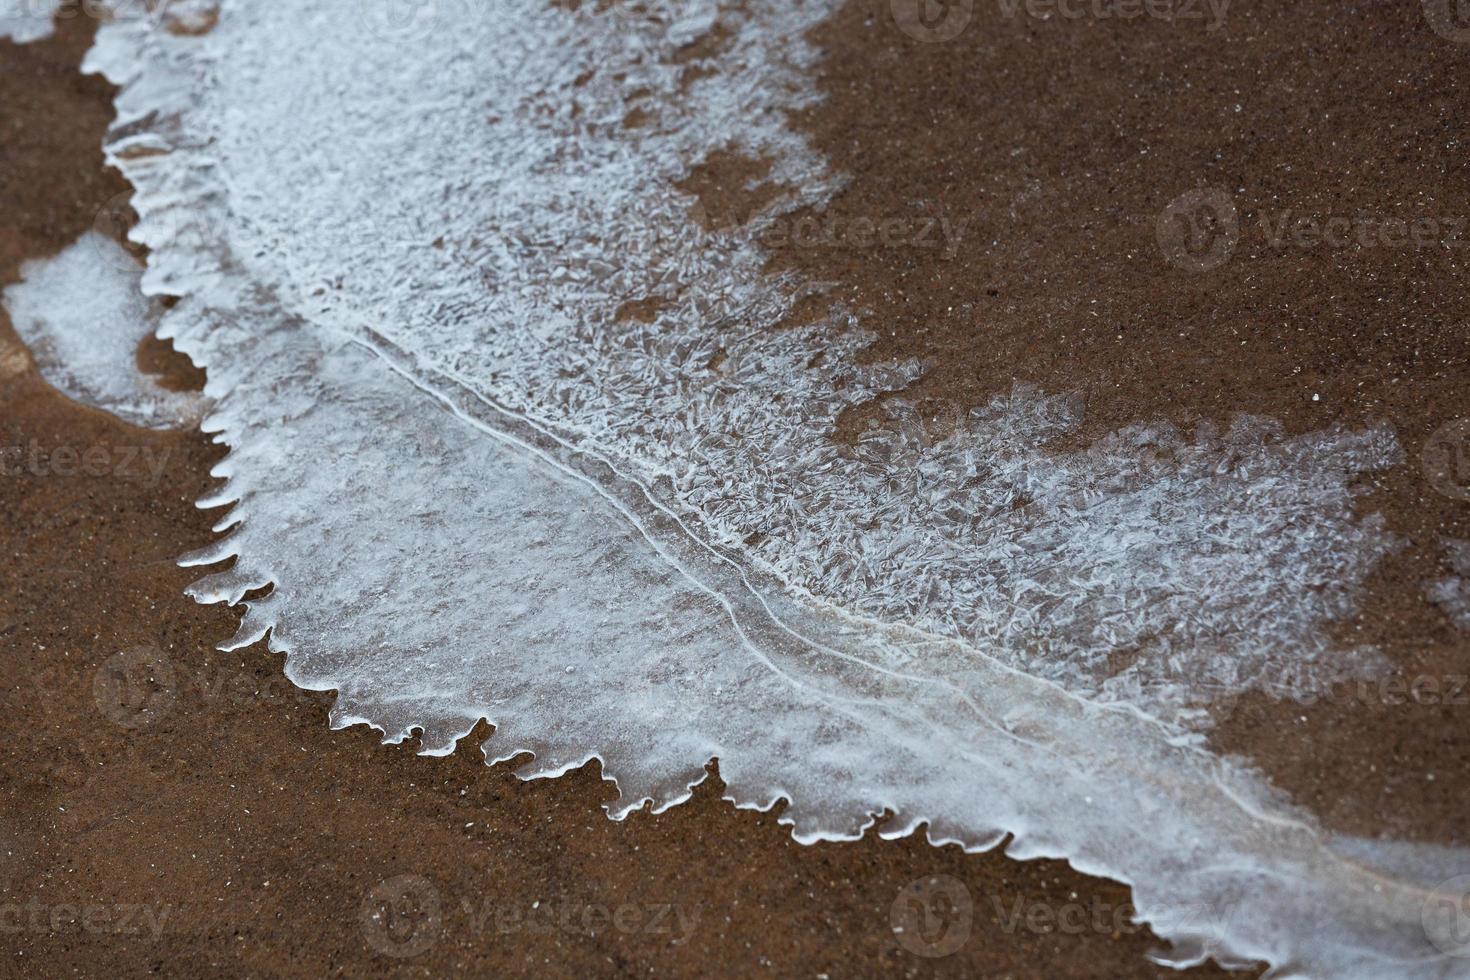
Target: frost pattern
[(24, 21), (401, 249), (1211, 560), (83, 316), (1452, 594)]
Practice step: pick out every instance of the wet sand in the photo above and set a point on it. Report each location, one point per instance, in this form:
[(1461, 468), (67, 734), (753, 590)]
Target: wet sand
[(213, 802)]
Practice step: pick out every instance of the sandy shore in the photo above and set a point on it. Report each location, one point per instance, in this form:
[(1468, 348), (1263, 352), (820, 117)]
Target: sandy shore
[(207, 819)]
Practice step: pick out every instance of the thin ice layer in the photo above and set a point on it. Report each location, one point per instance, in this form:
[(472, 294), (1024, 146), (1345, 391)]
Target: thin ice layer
[(1452, 593), (24, 21), (501, 255), (82, 315), (402, 254)]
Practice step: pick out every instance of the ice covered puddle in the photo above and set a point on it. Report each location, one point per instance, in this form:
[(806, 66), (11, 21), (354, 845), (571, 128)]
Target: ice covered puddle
[(400, 255), (82, 315)]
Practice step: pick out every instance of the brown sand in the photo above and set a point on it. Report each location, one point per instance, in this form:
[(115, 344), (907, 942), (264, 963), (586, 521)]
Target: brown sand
[(1049, 149), (215, 804), (260, 834)]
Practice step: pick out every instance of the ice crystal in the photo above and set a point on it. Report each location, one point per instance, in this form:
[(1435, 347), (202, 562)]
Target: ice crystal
[(401, 247)]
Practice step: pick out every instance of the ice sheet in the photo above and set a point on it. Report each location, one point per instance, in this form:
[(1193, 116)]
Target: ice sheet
[(401, 246)]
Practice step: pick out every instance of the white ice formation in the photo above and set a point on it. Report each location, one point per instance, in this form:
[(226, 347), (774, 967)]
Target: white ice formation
[(1452, 593), (24, 21), (400, 245), (82, 315)]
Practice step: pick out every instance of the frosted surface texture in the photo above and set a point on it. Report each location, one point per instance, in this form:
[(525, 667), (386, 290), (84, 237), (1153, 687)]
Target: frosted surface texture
[(1452, 594), (83, 316), (24, 21), (400, 246)]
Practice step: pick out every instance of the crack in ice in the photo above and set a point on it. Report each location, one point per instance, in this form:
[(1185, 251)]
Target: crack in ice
[(401, 259)]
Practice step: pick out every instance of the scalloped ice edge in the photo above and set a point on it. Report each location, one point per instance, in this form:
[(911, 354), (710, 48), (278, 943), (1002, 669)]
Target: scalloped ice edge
[(1125, 796)]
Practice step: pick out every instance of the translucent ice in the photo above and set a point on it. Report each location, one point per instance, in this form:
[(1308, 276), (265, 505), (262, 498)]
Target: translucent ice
[(401, 246), (83, 316)]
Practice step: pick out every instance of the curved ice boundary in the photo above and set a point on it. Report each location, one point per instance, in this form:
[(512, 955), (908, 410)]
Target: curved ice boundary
[(82, 315), (401, 246)]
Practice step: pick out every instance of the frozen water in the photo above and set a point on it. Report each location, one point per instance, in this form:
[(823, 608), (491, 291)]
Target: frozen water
[(83, 316), (501, 256), (1452, 593), (24, 21), (400, 247)]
